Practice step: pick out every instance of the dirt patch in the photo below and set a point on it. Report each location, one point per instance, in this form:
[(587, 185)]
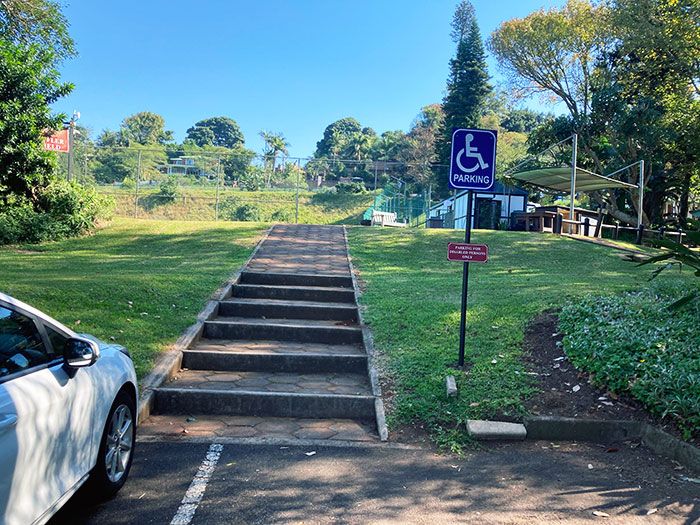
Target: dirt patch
[(565, 390)]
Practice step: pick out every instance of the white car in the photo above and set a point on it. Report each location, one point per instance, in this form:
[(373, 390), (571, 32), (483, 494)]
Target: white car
[(67, 414)]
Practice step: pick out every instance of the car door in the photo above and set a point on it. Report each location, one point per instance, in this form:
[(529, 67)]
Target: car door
[(8, 448), (48, 414)]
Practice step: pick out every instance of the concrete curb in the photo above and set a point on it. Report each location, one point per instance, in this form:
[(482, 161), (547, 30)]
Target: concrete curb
[(171, 361), (369, 347), (553, 428)]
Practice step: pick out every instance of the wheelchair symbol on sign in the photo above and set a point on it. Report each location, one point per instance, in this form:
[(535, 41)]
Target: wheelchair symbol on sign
[(470, 152)]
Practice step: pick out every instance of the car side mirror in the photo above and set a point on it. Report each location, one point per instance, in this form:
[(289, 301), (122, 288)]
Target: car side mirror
[(79, 352)]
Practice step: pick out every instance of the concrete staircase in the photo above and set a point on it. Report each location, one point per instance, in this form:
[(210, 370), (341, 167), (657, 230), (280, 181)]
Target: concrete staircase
[(282, 357)]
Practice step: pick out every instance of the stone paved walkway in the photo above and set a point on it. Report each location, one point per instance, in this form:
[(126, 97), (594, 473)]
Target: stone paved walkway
[(184, 427), (303, 249), (350, 384), (283, 357)]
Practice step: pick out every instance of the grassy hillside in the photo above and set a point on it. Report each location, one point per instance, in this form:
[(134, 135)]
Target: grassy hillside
[(413, 295), (272, 206), (139, 283)]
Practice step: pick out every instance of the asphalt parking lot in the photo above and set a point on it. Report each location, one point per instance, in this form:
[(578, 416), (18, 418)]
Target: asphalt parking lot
[(529, 482)]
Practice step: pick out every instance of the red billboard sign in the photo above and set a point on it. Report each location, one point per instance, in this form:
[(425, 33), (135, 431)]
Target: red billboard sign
[(57, 142), (463, 252)]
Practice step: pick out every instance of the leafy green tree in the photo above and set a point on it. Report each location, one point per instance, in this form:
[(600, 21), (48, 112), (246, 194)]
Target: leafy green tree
[(200, 136), (38, 22), (431, 116), (654, 67), (522, 120), (389, 145), (419, 151), (236, 161), (359, 145), (554, 52), (468, 82), (145, 128), (336, 136), (661, 36), (216, 131), (557, 53), (29, 84), (252, 179), (115, 163), (34, 204), (275, 143), (109, 139)]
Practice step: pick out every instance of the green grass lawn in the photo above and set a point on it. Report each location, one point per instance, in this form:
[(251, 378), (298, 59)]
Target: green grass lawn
[(412, 300), (274, 205), (139, 282)]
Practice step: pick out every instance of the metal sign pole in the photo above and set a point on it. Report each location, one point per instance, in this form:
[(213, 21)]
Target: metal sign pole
[(472, 168), (465, 283)]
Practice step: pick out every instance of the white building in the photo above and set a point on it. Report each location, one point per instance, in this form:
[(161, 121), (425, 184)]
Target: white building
[(490, 209)]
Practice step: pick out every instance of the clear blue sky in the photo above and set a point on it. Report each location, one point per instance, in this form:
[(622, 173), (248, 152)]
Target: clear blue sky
[(289, 66)]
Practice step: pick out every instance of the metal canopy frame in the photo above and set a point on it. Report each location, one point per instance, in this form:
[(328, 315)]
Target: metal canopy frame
[(577, 179)]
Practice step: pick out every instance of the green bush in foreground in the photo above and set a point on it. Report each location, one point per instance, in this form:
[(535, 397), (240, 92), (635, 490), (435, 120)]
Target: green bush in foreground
[(632, 343), (61, 210)]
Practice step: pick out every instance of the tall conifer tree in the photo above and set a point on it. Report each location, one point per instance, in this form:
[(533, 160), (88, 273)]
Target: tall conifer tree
[(467, 85)]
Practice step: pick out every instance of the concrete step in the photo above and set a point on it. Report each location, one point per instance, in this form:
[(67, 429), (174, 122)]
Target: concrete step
[(266, 394), (281, 309), (276, 347), (298, 359), (300, 330), (296, 279), (255, 427), (295, 293)]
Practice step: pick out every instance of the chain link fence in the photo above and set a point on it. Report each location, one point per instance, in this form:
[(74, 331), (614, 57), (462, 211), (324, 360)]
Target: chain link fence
[(160, 183)]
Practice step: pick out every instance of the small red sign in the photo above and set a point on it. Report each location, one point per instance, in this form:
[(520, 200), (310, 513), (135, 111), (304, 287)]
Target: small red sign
[(57, 142), (463, 252)]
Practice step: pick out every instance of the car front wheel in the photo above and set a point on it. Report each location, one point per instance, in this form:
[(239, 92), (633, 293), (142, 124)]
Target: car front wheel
[(116, 448)]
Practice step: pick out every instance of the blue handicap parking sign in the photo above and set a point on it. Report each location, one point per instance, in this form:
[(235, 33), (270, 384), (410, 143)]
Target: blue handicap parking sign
[(473, 164)]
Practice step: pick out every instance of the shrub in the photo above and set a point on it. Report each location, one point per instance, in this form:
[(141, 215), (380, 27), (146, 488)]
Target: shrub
[(231, 209), (350, 187), (228, 207), (282, 216), (65, 210), (633, 343), (128, 183), (169, 191), (248, 212)]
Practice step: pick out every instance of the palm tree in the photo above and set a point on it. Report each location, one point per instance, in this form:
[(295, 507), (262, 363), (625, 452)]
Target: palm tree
[(275, 143)]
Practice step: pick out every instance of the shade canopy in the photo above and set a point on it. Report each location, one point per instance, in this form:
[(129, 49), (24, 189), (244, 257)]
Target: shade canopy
[(559, 179)]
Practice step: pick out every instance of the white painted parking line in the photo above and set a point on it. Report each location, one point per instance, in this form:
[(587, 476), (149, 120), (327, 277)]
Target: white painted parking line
[(195, 492)]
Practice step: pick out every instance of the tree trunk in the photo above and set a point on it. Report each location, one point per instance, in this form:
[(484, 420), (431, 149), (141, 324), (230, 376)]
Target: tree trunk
[(684, 197)]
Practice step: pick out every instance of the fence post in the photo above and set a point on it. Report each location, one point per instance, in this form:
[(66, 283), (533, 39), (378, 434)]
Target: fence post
[(218, 182), (558, 223), (617, 230), (296, 210), (640, 234), (586, 225), (599, 224), (138, 179), (427, 210)]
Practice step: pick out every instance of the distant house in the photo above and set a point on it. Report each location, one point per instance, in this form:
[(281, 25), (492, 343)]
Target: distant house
[(490, 209), (185, 165)]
